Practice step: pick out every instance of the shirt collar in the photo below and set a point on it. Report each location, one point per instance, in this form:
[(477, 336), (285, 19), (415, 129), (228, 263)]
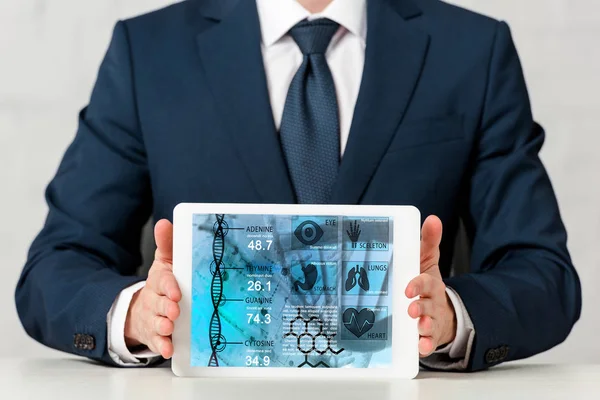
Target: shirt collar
[(277, 17)]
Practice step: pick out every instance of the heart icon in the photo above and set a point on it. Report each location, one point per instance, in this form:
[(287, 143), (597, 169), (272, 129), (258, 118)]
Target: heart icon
[(358, 323)]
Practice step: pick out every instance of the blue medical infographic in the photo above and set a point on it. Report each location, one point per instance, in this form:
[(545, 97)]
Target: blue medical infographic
[(289, 291)]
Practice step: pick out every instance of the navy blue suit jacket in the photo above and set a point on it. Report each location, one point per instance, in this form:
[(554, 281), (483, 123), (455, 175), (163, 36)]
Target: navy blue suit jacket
[(180, 113)]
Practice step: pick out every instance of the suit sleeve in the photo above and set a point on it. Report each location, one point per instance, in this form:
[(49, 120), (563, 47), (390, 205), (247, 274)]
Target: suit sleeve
[(523, 293), (99, 200)]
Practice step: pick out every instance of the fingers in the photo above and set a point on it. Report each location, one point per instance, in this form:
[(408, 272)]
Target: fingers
[(155, 308), (437, 320), (163, 235), (424, 285), (428, 333), (430, 330), (431, 237), (161, 345), (168, 287), (161, 295), (163, 283), (163, 326), (427, 346), (421, 307), (425, 326), (160, 324), (165, 307), (431, 232)]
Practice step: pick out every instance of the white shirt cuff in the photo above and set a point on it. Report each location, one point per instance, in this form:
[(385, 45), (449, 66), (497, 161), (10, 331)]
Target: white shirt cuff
[(115, 322), (458, 347)]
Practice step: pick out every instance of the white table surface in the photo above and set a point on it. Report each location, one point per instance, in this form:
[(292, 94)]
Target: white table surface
[(70, 379)]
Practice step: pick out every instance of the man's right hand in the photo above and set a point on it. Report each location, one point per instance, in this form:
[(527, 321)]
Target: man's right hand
[(154, 309)]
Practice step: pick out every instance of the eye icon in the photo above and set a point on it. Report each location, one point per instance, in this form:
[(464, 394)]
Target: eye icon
[(308, 232)]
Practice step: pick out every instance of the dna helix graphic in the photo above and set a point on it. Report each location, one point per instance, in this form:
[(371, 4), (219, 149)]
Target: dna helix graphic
[(217, 340)]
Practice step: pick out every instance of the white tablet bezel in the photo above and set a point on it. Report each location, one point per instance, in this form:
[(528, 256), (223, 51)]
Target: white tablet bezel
[(406, 239)]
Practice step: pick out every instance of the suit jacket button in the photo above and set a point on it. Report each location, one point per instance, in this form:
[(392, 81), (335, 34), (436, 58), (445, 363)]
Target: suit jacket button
[(84, 342), (504, 352), (490, 356)]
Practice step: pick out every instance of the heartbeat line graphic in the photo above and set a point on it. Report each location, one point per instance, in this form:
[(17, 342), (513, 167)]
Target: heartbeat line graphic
[(354, 323), (358, 323)]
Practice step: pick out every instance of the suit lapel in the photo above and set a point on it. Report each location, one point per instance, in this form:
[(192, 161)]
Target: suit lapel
[(394, 58), (232, 61)]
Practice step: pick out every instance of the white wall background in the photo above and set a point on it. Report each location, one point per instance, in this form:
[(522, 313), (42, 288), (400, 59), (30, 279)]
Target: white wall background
[(50, 51)]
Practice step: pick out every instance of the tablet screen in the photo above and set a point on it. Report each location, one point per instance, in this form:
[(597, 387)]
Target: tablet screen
[(287, 291)]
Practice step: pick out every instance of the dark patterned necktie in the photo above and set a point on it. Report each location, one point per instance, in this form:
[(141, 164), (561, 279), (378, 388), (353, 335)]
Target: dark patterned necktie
[(310, 127)]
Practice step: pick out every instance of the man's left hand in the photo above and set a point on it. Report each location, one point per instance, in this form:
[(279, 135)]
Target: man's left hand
[(437, 319)]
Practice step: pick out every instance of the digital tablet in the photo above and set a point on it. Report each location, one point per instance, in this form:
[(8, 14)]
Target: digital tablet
[(295, 290)]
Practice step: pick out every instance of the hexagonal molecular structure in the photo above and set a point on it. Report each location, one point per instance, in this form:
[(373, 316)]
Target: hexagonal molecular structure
[(314, 326), (321, 343), (311, 337), (298, 327), (305, 343)]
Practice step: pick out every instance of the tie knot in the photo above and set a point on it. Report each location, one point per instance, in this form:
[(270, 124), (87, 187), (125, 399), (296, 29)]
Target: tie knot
[(313, 37)]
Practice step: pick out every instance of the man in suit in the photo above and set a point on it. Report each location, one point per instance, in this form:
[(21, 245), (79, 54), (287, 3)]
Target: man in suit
[(310, 101)]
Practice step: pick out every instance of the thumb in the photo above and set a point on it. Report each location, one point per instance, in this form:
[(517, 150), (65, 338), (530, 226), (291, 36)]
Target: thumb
[(431, 237), (163, 236)]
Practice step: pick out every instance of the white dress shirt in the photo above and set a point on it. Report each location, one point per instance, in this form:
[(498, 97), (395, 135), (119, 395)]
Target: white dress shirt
[(282, 59)]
